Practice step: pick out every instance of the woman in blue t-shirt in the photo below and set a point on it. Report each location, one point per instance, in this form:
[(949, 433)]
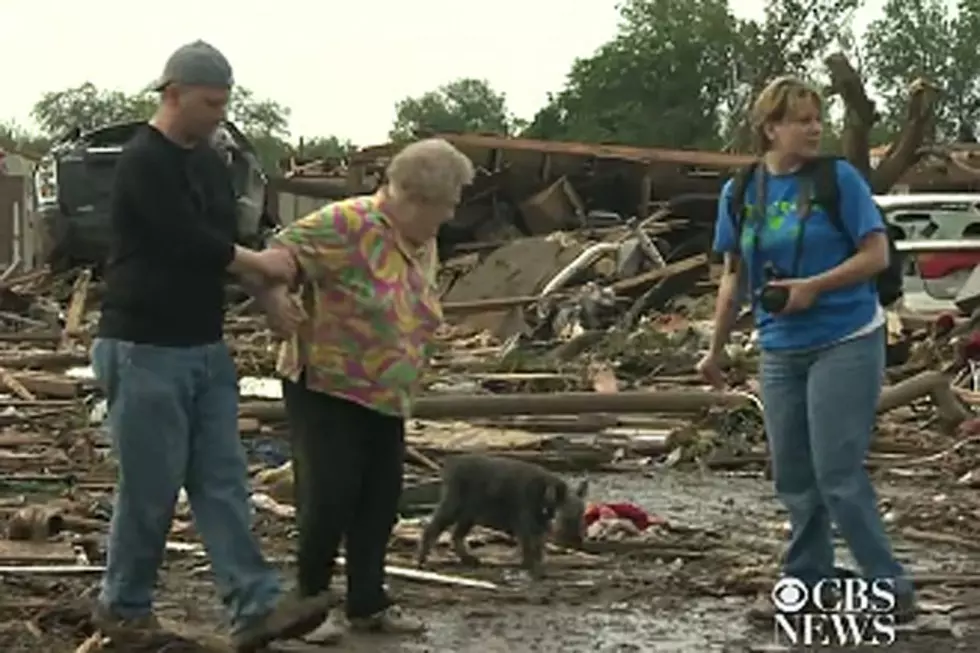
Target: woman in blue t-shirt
[(822, 336)]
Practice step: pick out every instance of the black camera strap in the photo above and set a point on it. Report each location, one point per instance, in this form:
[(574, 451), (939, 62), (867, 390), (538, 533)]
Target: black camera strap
[(803, 207)]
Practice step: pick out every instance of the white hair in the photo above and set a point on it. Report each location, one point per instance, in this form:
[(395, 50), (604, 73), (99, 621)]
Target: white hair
[(431, 170)]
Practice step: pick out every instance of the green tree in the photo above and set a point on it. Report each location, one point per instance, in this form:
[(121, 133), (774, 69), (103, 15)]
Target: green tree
[(87, 106), (465, 105), (325, 147), (17, 138), (659, 81), (264, 121), (792, 38), (683, 74), (925, 38), (256, 115)]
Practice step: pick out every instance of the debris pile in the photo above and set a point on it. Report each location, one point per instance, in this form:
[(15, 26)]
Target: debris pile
[(574, 350)]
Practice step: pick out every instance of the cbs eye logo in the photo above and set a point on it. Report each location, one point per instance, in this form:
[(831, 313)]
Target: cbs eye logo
[(790, 595)]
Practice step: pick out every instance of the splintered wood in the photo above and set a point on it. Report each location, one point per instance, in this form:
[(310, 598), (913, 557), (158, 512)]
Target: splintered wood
[(15, 386), (76, 309)]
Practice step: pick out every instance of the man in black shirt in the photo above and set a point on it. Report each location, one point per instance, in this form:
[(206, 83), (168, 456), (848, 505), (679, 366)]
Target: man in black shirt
[(169, 377)]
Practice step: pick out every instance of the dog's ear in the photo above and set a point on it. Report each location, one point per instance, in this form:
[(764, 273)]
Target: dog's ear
[(582, 489), (555, 494)]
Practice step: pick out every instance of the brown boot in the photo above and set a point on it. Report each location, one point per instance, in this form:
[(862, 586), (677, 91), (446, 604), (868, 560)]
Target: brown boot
[(391, 621), (292, 617)]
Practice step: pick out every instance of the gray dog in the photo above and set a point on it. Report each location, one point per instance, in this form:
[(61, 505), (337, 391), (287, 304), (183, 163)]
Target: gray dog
[(518, 498)]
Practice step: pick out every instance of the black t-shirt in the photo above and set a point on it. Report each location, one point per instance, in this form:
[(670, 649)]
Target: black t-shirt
[(173, 222)]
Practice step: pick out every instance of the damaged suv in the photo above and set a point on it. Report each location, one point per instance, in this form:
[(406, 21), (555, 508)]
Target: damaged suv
[(73, 182)]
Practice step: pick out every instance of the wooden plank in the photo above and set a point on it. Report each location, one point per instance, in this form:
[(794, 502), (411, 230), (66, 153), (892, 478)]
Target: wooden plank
[(15, 552), (670, 270)]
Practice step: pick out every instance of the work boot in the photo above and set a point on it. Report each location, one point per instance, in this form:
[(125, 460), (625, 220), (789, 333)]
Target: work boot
[(906, 608), (763, 611), (331, 631), (390, 621), (291, 617), (141, 631)]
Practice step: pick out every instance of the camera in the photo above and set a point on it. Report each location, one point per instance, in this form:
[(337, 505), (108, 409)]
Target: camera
[(773, 299)]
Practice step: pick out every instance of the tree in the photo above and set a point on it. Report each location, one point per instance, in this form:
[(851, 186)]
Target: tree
[(793, 38), (308, 149), (659, 81), (923, 38), (465, 105), (265, 122), (16, 138), (325, 147), (683, 74), (258, 116), (87, 106)]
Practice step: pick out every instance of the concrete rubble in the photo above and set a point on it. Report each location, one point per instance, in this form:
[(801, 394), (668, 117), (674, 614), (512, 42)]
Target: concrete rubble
[(574, 349)]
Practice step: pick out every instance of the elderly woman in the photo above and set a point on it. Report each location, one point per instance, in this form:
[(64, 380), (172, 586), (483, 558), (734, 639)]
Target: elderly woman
[(366, 279), (823, 350)]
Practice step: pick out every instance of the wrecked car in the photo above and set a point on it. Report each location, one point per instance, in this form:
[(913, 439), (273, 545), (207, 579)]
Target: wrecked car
[(73, 182)]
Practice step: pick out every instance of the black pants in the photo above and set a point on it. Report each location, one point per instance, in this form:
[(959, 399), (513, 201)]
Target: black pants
[(347, 464)]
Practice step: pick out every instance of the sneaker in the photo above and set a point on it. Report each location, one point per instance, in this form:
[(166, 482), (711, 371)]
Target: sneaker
[(391, 621), (291, 617), (133, 632), (331, 631)]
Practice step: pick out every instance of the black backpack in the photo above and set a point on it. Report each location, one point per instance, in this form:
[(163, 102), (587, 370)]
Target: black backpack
[(823, 175)]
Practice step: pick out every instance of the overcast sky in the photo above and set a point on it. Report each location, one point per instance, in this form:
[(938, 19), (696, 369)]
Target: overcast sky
[(340, 66)]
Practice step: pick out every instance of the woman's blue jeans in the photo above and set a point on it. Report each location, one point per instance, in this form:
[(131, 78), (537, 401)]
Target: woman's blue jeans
[(820, 409)]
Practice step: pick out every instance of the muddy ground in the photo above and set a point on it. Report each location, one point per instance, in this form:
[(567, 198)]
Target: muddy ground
[(687, 592)]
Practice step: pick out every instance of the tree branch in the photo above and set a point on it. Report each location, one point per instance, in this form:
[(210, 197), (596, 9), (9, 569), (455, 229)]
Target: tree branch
[(860, 116), (903, 153), (859, 111)]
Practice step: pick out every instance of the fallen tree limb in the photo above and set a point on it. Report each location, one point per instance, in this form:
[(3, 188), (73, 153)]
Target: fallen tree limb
[(562, 403), (932, 384)]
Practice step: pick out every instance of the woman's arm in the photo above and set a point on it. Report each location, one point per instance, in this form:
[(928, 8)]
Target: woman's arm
[(863, 222), (727, 302), (869, 261), (321, 244)]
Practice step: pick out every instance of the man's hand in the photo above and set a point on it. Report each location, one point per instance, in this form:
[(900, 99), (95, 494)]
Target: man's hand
[(284, 311), (802, 294)]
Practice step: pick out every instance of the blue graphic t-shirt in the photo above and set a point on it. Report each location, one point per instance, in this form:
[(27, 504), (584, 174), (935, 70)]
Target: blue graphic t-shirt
[(835, 314)]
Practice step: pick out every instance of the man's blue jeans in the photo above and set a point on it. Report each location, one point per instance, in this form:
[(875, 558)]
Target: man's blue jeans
[(820, 409), (173, 421)]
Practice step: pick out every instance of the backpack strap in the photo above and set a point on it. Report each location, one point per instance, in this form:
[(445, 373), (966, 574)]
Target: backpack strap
[(826, 191), (736, 203)]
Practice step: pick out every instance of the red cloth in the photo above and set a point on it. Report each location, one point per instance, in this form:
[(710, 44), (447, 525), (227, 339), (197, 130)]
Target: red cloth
[(945, 323), (640, 517)]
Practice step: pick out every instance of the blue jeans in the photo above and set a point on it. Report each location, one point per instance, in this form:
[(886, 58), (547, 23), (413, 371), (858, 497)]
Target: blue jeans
[(820, 410), (173, 421)]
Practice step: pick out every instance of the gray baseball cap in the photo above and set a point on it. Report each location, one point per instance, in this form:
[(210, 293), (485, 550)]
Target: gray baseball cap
[(195, 64)]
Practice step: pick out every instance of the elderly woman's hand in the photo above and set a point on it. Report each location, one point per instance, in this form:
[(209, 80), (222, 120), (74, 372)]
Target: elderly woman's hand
[(284, 311)]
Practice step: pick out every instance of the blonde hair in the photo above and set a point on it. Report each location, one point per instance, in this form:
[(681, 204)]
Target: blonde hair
[(781, 98), (430, 170)]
